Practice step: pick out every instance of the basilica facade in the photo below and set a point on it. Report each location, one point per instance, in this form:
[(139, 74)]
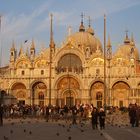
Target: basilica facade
[(76, 72)]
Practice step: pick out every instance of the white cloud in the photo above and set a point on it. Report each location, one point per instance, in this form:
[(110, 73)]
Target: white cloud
[(18, 28), (22, 25), (59, 19), (111, 6)]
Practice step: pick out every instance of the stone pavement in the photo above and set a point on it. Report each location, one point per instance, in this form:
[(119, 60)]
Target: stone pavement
[(33, 129)]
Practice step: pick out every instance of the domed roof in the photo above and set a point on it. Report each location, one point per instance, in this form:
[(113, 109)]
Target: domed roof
[(90, 30), (85, 39), (81, 28), (126, 50)]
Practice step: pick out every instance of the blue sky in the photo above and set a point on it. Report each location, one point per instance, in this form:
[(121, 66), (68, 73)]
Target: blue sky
[(26, 19)]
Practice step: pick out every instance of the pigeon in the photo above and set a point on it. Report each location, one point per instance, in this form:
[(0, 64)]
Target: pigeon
[(68, 130), (5, 138), (101, 134), (30, 132), (11, 131)]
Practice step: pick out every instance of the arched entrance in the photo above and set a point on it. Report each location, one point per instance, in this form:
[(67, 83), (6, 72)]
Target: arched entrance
[(39, 91), (69, 98), (19, 92), (67, 92), (96, 93), (138, 94), (121, 94)]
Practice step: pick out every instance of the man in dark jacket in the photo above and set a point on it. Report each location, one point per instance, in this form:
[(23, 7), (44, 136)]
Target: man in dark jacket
[(102, 118), (74, 114), (1, 115), (137, 116), (132, 115), (94, 118), (47, 113)]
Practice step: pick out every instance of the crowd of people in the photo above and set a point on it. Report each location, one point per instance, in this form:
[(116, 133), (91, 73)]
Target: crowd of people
[(75, 114)]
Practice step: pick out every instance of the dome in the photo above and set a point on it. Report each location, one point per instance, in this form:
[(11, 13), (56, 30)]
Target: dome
[(90, 30), (126, 50), (84, 40), (81, 28)]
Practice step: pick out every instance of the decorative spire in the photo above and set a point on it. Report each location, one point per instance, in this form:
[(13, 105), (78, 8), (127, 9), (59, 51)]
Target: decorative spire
[(13, 46), (27, 51), (132, 40), (82, 28), (52, 44), (89, 29), (126, 40), (109, 42), (69, 30), (33, 44), (21, 50), (89, 21), (98, 50), (109, 48)]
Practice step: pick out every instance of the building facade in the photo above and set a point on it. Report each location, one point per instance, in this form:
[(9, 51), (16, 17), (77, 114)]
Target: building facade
[(73, 73)]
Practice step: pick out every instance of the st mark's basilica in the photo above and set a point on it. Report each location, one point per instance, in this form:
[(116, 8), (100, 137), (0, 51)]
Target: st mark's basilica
[(73, 73)]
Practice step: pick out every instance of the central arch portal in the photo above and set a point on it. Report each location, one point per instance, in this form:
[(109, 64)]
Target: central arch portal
[(39, 91), (67, 92), (97, 94)]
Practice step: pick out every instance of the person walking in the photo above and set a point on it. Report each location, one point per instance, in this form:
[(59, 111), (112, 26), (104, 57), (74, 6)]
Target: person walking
[(94, 118), (65, 110), (74, 115), (1, 115), (102, 118), (132, 115), (137, 116), (47, 113)]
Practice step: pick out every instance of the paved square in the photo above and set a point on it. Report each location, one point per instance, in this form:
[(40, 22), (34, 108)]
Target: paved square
[(33, 129)]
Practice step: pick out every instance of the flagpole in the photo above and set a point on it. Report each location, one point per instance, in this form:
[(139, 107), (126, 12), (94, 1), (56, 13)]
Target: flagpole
[(50, 66), (0, 41), (105, 62), (0, 59)]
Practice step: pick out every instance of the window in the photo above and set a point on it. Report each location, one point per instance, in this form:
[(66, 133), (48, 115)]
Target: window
[(42, 72), (135, 94), (99, 96), (97, 72), (12, 53), (41, 96), (22, 72)]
